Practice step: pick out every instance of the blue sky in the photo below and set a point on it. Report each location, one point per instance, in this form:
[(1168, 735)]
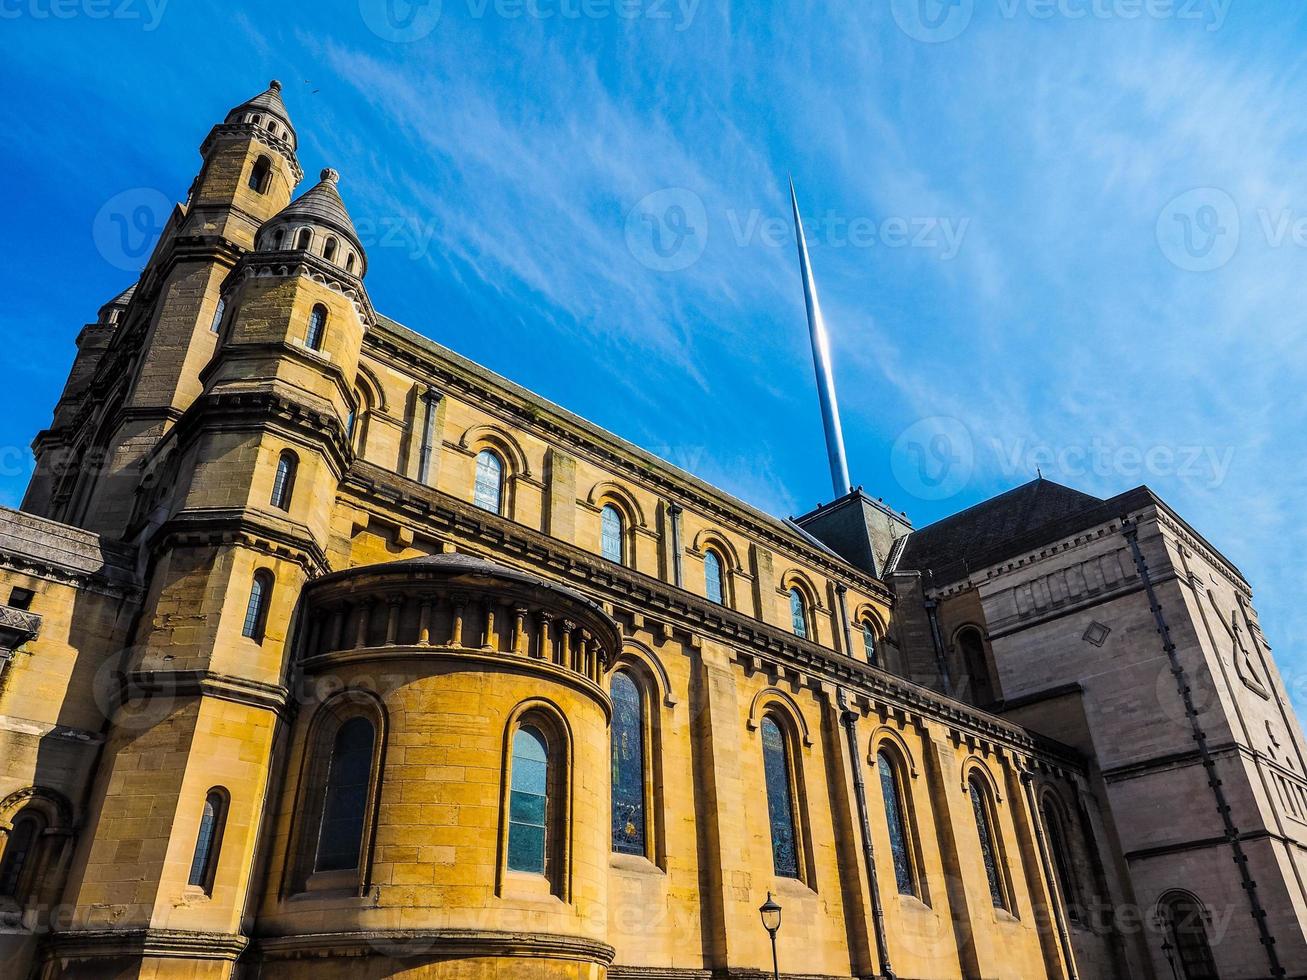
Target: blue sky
[(1066, 234)]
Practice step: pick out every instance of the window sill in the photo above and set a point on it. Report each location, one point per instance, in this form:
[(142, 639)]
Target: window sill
[(1004, 917), (522, 886), (636, 864), (913, 905), (795, 887)]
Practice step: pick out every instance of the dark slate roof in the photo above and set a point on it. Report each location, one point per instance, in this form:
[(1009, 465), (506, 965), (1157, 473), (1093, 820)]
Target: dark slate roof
[(268, 102), (321, 204), (949, 548)]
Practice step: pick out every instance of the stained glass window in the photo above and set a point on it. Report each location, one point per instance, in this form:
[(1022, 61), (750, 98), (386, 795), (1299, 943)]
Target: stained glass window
[(780, 800), (628, 766), (206, 842), (611, 533), (257, 608), (528, 802), (869, 645), (349, 779), (21, 840), (798, 613), (488, 494), (980, 804), (317, 327), (899, 844), (1061, 861), (712, 573), (284, 482)]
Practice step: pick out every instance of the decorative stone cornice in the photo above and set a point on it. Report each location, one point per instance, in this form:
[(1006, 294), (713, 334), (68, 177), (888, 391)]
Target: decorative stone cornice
[(283, 540), (291, 263), (104, 943), (401, 943), (247, 130)]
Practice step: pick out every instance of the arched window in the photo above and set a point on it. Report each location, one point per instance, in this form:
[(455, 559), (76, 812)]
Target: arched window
[(528, 803), (610, 520), (303, 239), (208, 842), (896, 820), (1055, 831), (317, 327), (714, 584), (972, 648), (278, 237), (1188, 935), (261, 175), (345, 801), (19, 865), (488, 494), (329, 250), (218, 311), (283, 484), (798, 613), (869, 645), (982, 805), (256, 611), (628, 766), (349, 262), (780, 799)]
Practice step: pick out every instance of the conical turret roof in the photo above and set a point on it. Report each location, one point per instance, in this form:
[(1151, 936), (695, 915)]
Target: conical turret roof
[(267, 102), (321, 205)]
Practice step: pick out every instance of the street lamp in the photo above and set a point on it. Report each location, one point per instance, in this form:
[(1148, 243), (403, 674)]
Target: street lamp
[(771, 921)]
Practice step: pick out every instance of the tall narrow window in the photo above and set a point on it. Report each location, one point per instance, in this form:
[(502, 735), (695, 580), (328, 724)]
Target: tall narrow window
[(204, 862), (256, 611), (329, 250), (628, 766), (1184, 920), (780, 799), (261, 175), (349, 263), (798, 613), (19, 852), (278, 237), (317, 327), (869, 645), (982, 807), (283, 484), (610, 520), (972, 648), (488, 494), (900, 844), (1057, 843), (528, 802), (712, 575), (345, 806), (303, 239), (218, 311)]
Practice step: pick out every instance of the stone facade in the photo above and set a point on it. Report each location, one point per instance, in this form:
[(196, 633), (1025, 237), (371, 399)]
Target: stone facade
[(297, 595)]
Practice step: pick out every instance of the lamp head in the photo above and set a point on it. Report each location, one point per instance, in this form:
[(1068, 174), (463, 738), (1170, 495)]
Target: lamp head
[(771, 915)]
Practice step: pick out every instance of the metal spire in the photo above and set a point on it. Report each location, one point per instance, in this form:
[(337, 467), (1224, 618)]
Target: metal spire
[(830, 408)]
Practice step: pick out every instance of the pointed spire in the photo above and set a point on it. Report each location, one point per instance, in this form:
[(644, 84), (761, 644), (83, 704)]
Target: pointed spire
[(821, 362)]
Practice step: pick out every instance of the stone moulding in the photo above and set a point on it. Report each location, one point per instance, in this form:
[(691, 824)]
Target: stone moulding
[(103, 943), (438, 943)]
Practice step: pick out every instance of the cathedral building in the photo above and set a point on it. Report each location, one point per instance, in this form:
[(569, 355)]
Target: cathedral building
[(325, 652)]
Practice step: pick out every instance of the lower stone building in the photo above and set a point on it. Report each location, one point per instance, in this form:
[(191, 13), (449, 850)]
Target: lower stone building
[(329, 653)]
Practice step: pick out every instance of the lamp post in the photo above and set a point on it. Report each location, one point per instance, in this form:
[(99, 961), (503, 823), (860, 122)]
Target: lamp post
[(771, 921)]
